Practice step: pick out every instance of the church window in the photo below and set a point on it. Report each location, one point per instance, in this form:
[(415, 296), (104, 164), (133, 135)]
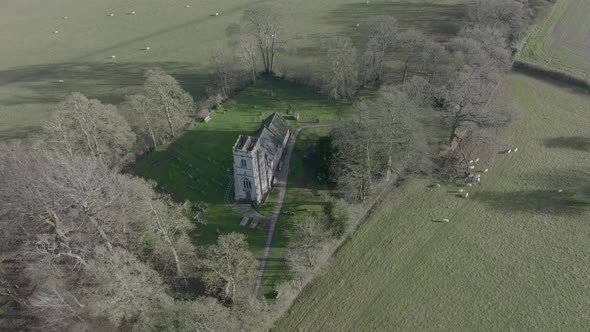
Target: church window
[(247, 184), (244, 163)]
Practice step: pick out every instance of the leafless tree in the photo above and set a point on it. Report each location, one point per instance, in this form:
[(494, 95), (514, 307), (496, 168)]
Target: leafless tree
[(305, 244), (382, 37), (341, 79), (412, 43), (168, 97), (229, 266), (148, 124), (225, 70), (82, 126), (509, 16), (266, 24)]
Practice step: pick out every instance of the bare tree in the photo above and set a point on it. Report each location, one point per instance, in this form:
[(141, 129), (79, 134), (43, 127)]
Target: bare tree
[(341, 79), (266, 24), (148, 124), (412, 43), (509, 16), (305, 244), (223, 63), (229, 266), (382, 37), (82, 126), (168, 97)]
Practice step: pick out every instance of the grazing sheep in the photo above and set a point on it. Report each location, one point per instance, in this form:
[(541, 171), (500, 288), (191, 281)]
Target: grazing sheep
[(466, 195), (560, 191), (470, 184), (476, 160), (461, 190), (445, 220), (486, 170), (55, 31), (471, 167), (509, 151), (515, 149), (60, 81), (216, 14), (65, 17), (113, 56), (358, 25), (147, 48), (470, 162), (438, 185), (132, 12), (111, 14), (188, 6)]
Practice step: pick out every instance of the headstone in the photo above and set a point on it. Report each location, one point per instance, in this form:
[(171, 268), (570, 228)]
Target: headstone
[(244, 221)]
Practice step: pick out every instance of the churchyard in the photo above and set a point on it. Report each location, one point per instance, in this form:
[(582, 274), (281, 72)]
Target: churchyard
[(562, 41), (198, 166)]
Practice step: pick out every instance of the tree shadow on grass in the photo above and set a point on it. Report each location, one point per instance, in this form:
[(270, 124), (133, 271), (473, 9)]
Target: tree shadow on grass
[(535, 202), (578, 143)]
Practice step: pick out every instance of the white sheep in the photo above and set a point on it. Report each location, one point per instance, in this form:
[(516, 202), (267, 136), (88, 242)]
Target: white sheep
[(188, 6), (445, 220), (147, 48), (438, 185), (216, 14), (60, 81), (461, 190), (132, 12), (470, 161), (111, 14), (470, 184), (486, 170), (476, 160), (466, 195), (515, 149), (113, 56), (65, 17), (509, 151), (55, 31), (358, 25), (560, 191), (471, 167)]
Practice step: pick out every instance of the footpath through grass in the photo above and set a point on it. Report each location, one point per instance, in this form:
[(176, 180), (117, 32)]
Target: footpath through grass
[(514, 255), (198, 166)]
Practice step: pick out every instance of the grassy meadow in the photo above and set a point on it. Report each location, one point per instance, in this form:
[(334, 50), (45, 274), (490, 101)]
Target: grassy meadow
[(513, 256), (562, 40), (34, 58)]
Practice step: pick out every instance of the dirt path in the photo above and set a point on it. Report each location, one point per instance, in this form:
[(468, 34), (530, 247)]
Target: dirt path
[(281, 185)]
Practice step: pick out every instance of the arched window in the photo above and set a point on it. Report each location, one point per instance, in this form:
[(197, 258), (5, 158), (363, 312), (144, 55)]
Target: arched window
[(244, 165), (247, 184)]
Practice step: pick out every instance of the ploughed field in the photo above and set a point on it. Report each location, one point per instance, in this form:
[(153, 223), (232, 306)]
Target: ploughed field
[(44, 42), (514, 255), (562, 41)]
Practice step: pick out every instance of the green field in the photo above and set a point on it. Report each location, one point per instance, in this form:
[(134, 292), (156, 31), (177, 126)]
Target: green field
[(33, 59), (562, 40), (513, 257), (198, 166)]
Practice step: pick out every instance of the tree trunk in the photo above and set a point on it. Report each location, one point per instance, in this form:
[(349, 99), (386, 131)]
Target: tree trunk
[(151, 132), (169, 119), (166, 236)]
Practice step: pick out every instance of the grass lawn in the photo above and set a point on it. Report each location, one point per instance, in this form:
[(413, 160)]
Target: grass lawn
[(34, 58), (561, 40), (514, 255), (198, 166)]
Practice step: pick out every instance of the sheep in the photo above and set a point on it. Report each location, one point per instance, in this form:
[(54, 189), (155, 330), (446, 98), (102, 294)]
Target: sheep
[(216, 14), (438, 185), (470, 161), (466, 195), (56, 31), (515, 149), (147, 48), (113, 56), (471, 167), (476, 160), (560, 191), (358, 25), (132, 12), (509, 151), (188, 6), (461, 190), (111, 14), (486, 170), (445, 220), (60, 81), (470, 184), (65, 17)]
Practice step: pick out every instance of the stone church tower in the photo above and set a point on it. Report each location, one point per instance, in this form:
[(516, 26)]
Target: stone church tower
[(257, 159)]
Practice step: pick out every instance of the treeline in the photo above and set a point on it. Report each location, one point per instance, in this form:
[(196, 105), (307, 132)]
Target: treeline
[(91, 246)]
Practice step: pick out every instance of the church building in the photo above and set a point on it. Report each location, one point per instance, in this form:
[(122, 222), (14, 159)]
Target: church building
[(257, 159)]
